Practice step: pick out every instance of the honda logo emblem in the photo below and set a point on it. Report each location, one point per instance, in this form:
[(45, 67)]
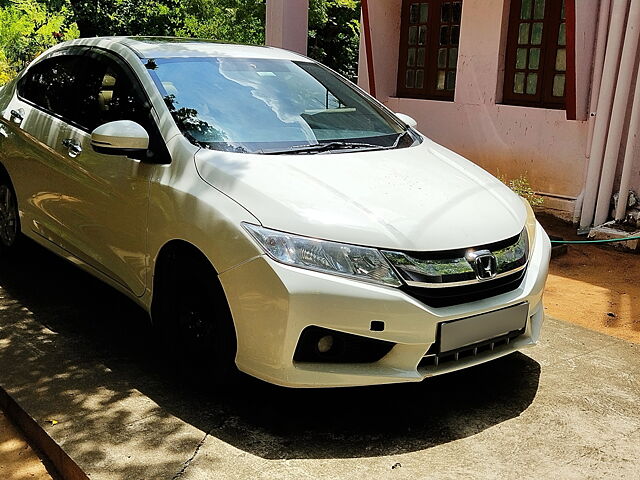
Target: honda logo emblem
[(484, 264)]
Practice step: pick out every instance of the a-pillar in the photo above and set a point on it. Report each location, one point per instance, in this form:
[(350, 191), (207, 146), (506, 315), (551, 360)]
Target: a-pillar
[(288, 24)]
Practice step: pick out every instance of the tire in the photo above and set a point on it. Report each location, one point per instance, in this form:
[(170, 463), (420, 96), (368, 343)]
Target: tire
[(9, 216), (194, 322)]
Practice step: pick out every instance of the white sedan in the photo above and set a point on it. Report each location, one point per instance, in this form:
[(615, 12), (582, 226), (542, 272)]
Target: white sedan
[(267, 213)]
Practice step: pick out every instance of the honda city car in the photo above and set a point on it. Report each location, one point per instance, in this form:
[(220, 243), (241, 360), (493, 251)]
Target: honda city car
[(270, 216)]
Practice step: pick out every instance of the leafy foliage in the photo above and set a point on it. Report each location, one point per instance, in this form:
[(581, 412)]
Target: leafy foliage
[(522, 187), (235, 21), (226, 20), (334, 34), (28, 27)]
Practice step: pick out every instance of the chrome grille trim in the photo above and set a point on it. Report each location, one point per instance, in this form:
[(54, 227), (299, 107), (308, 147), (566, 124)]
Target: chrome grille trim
[(451, 269), (466, 282)]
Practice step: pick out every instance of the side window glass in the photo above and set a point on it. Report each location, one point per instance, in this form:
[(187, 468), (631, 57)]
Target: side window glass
[(83, 90), (119, 98), (86, 111), (52, 85)]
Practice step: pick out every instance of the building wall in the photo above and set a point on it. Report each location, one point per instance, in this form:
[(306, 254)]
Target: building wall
[(508, 140), (287, 24)]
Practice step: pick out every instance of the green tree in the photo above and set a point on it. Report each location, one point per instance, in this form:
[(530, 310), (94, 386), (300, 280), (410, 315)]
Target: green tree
[(236, 21), (126, 17), (225, 20), (6, 72), (334, 34), (27, 28)]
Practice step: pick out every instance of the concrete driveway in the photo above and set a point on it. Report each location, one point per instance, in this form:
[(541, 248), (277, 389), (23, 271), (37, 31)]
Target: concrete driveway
[(73, 351)]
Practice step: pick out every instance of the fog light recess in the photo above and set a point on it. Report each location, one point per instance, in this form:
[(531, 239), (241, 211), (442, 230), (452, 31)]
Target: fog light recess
[(319, 345)]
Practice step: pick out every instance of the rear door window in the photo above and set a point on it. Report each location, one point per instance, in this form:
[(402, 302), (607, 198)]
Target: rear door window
[(64, 86)]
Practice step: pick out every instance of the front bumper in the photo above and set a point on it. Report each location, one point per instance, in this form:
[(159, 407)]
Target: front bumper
[(272, 304)]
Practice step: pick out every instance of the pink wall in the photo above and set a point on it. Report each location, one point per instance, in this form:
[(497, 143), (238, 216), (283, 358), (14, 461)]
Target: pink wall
[(510, 140), (287, 24), (587, 20), (385, 25)]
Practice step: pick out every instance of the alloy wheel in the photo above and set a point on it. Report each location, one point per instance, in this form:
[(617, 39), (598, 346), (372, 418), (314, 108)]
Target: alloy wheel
[(194, 330)]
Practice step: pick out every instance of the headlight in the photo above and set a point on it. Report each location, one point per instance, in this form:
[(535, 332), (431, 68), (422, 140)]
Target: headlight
[(531, 224), (361, 263)]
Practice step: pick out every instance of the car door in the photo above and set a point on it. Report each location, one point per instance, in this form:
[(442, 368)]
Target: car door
[(106, 197), (34, 122)]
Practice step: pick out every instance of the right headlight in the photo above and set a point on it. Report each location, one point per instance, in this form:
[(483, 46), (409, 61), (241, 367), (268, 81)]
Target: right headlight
[(360, 263)]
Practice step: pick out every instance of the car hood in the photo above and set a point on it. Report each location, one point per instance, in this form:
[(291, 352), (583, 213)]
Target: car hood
[(420, 198)]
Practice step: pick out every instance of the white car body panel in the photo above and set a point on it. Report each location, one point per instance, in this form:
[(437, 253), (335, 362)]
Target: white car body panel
[(113, 216), (385, 199), (292, 298), (105, 214), (34, 147)]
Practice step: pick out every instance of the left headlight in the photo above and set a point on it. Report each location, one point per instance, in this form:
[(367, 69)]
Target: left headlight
[(531, 224), (360, 263)]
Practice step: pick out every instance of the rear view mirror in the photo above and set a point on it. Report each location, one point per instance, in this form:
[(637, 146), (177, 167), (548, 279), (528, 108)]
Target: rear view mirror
[(121, 137), (407, 119)]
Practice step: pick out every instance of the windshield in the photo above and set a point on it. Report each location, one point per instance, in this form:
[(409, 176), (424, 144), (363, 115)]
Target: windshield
[(270, 106)]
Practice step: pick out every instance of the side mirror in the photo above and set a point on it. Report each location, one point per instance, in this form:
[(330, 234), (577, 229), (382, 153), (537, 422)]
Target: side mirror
[(407, 119), (122, 137)]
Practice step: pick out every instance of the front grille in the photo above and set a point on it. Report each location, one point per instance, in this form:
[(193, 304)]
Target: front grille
[(451, 356), (445, 297), (444, 278)]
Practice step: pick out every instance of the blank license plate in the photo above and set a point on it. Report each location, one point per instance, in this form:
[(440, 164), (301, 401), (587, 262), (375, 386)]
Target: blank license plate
[(459, 333)]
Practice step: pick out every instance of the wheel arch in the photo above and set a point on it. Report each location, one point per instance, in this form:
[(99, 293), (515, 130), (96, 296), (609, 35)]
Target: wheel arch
[(181, 269), (4, 173), (173, 251)]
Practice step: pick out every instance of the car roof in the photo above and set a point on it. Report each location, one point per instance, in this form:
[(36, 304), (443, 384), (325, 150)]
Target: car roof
[(170, 47)]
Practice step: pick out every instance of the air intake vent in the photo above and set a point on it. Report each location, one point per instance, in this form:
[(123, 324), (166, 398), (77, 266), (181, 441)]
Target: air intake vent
[(475, 350)]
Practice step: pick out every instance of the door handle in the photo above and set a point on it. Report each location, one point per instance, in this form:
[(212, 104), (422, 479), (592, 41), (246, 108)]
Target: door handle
[(73, 147), (17, 116)]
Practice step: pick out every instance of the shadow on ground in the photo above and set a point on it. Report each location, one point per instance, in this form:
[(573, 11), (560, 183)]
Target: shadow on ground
[(100, 326)]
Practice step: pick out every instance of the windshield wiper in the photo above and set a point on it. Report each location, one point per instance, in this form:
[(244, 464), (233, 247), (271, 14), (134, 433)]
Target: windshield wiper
[(335, 145), (325, 147)]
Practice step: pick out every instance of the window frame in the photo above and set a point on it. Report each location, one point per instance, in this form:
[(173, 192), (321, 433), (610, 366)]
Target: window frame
[(76, 51), (549, 46), (157, 144), (107, 57), (432, 45)]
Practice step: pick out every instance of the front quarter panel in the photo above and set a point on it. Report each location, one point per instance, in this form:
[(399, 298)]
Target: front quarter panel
[(184, 207)]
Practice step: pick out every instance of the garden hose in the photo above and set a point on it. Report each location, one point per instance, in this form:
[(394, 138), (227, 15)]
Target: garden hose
[(585, 242)]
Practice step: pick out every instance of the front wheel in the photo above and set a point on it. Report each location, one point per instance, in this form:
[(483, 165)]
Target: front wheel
[(9, 217), (195, 322)]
